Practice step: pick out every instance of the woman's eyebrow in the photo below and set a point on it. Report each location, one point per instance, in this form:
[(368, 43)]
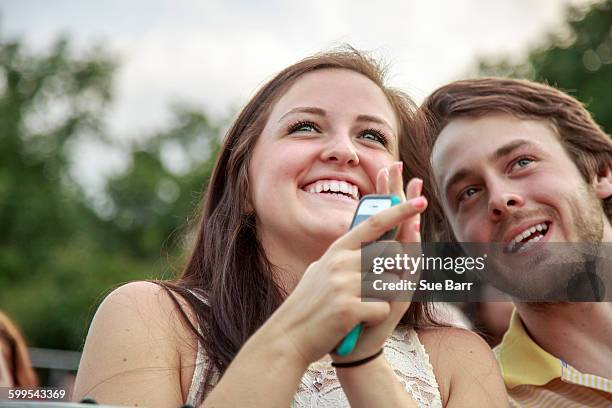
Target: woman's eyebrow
[(375, 119), (305, 109)]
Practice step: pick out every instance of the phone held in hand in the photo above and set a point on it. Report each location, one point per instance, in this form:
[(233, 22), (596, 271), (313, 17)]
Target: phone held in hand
[(368, 206)]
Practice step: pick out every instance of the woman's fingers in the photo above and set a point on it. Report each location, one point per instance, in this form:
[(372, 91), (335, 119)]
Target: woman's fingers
[(410, 230), (396, 184), (414, 188), (375, 226), (382, 181), (373, 311)]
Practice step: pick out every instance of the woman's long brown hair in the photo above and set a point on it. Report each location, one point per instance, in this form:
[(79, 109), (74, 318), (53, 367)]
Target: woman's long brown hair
[(228, 264), (20, 366)]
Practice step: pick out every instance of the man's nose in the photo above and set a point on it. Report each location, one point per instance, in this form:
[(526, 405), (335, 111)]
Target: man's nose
[(502, 200), (341, 150)]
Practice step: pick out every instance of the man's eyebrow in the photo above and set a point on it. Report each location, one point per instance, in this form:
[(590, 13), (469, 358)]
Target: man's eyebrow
[(456, 178), (509, 148), (305, 109)]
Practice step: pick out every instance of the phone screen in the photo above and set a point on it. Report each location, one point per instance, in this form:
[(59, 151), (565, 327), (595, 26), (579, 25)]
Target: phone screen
[(370, 207)]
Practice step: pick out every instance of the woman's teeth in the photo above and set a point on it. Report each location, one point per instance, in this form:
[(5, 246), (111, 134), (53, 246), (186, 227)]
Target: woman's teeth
[(334, 186)]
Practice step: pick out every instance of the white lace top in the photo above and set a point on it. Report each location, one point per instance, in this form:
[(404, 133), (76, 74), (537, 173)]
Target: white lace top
[(320, 387)]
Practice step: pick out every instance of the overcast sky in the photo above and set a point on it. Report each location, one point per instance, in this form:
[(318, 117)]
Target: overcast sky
[(214, 54)]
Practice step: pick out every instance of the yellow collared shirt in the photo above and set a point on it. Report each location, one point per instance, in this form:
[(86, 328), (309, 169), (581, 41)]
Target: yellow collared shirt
[(536, 378)]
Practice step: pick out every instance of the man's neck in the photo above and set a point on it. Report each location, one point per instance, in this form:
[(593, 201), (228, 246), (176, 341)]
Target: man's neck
[(578, 333)]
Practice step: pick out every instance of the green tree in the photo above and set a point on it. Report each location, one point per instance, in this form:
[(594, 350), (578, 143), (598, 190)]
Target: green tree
[(59, 256), (151, 201), (46, 103), (578, 61)]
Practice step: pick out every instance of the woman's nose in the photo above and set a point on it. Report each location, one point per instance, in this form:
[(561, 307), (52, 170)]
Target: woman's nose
[(340, 150)]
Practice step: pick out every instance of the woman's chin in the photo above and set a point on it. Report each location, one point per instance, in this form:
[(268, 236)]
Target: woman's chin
[(329, 231)]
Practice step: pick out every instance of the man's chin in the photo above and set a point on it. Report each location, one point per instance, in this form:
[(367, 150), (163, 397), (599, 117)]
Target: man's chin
[(551, 286)]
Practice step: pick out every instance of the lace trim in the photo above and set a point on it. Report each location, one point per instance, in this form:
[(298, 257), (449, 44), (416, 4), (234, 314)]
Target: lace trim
[(320, 387)]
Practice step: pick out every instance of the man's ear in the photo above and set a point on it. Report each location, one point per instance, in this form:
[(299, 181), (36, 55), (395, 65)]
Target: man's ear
[(603, 183)]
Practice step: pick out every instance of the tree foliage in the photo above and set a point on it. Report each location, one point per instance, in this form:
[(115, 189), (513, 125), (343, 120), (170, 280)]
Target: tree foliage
[(58, 255), (578, 61)]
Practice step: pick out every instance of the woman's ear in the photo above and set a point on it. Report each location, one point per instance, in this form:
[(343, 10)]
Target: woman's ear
[(603, 183)]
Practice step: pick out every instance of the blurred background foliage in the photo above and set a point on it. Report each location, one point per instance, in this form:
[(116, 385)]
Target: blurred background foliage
[(577, 60), (61, 250)]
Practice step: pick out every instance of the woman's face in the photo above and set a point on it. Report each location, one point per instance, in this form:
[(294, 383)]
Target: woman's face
[(319, 152)]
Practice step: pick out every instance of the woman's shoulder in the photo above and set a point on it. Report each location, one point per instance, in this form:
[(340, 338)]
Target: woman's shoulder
[(136, 329), (150, 302), (459, 358), (136, 290)]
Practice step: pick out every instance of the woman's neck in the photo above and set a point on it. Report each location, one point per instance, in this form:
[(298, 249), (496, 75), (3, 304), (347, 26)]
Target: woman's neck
[(290, 259)]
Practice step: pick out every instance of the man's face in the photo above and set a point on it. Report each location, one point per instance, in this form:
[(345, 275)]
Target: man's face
[(507, 180)]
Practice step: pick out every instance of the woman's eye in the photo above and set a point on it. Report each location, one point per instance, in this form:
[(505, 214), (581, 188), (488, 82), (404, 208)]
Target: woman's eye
[(467, 193), (375, 136), (303, 127)]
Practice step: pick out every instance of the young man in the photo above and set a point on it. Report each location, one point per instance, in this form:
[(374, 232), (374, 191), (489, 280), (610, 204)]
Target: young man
[(512, 157)]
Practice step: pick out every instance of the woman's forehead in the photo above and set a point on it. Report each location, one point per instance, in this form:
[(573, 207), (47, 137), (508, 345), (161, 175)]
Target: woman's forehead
[(337, 91)]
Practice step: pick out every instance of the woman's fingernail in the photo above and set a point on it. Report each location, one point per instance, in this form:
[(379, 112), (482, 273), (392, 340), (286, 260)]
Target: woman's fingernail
[(400, 165), (419, 185), (418, 202), (417, 226)]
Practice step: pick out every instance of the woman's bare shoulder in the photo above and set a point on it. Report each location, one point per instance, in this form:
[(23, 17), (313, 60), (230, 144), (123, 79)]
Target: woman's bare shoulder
[(140, 305), (133, 339), (464, 363)]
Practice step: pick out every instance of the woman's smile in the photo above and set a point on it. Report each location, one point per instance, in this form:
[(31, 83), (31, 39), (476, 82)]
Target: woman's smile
[(327, 150)]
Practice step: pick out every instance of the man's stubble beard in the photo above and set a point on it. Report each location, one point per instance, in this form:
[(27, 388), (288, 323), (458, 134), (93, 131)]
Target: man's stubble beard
[(541, 279), (589, 229)]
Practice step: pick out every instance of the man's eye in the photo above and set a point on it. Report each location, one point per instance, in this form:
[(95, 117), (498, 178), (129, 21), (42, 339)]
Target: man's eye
[(524, 162), (303, 127), (375, 136)]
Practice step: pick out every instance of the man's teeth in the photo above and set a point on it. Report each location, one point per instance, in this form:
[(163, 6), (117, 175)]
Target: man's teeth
[(528, 244), (520, 237), (334, 186)]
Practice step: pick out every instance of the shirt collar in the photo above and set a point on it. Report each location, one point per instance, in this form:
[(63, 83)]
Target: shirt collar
[(522, 361)]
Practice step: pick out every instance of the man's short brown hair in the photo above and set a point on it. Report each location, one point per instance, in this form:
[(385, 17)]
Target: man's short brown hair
[(586, 143)]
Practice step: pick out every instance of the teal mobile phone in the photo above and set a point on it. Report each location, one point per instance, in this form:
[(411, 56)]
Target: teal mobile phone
[(368, 206)]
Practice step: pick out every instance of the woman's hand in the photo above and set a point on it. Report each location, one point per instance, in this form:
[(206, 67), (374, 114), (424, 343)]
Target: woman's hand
[(374, 335), (326, 304)]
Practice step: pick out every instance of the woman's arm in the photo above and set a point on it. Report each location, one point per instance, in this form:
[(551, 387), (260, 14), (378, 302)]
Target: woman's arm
[(466, 370), (374, 384), (134, 349), (265, 373)]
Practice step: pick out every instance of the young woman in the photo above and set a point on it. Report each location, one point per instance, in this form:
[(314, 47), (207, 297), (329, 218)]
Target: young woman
[(273, 282)]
